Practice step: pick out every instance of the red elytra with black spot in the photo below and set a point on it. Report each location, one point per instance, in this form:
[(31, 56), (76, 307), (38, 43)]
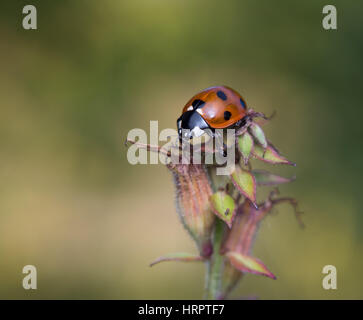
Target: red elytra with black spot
[(221, 106)]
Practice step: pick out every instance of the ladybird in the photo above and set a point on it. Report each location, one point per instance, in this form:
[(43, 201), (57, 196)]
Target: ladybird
[(213, 108)]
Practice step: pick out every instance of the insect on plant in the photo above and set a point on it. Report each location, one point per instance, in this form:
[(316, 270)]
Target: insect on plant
[(222, 214)]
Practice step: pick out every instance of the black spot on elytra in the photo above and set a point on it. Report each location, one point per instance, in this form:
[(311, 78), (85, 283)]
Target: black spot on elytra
[(197, 103), (227, 115), (242, 103), (222, 95)]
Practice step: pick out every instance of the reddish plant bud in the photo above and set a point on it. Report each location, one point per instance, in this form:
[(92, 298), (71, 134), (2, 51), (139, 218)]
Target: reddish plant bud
[(244, 227), (239, 240), (246, 222), (193, 192), (270, 155)]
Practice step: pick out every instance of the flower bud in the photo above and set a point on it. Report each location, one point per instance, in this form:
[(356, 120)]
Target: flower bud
[(193, 191), (245, 183), (223, 205), (245, 146), (270, 155), (238, 243), (258, 134)]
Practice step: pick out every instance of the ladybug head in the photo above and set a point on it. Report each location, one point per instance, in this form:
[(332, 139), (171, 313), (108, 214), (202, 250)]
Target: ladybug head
[(191, 124)]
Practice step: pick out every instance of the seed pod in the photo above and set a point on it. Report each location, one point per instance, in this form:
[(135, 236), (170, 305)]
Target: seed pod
[(245, 182), (223, 206), (238, 243), (246, 223), (245, 146), (270, 155), (193, 191), (259, 135), (249, 264)]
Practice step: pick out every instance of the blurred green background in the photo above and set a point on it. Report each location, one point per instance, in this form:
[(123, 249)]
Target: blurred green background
[(72, 205)]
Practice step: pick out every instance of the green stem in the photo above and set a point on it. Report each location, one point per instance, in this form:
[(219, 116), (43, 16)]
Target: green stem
[(215, 264)]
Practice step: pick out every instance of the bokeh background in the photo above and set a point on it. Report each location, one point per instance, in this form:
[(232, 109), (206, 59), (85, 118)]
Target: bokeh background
[(72, 205)]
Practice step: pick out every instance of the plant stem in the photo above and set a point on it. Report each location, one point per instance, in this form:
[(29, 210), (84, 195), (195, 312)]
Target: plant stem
[(215, 264)]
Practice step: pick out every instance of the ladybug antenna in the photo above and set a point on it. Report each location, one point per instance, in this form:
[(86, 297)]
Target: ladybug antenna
[(254, 114)]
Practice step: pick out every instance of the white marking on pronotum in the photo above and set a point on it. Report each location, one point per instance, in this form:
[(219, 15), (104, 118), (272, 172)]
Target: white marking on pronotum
[(190, 108), (197, 132)]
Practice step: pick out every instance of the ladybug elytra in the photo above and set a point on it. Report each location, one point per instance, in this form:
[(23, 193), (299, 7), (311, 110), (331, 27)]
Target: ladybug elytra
[(217, 107)]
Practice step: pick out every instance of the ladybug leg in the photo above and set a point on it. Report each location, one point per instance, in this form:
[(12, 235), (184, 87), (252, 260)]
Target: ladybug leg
[(244, 127), (224, 150), (220, 146), (251, 114)]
